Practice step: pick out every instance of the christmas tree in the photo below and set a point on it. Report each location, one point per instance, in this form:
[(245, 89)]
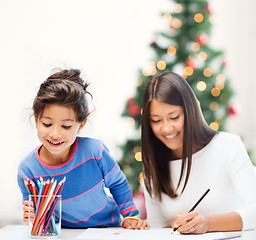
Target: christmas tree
[(183, 48)]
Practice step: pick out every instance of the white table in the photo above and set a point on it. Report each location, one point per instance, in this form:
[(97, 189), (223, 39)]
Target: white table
[(20, 232)]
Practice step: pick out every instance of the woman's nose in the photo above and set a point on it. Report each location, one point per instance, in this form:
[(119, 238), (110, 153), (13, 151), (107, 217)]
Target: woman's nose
[(167, 127)]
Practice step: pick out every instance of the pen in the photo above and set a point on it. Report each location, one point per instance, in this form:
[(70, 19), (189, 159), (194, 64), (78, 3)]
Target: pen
[(193, 208), (230, 237)]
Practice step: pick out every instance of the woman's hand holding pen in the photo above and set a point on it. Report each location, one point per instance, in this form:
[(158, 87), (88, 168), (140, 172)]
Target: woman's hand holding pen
[(26, 211), (190, 223)]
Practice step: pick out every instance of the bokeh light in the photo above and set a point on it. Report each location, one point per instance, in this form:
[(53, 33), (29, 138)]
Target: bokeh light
[(195, 46), (138, 156), (214, 106), (198, 17), (214, 126), (161, 65), (201, 86), (202, 56), (207, 72), (188, 71), (171, 51), (215, 92)]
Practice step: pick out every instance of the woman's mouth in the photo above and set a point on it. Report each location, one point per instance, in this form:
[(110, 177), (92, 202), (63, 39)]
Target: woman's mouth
[(171, 136)]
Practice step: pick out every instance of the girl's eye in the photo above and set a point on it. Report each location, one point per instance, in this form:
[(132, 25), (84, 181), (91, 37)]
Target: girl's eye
[(66, 127), (47, 125)]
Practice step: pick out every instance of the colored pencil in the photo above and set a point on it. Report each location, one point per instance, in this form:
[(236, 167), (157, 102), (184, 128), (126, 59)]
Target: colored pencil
[(41, 186), (56, 192), (35, 193), (42, 207), (45, 202)]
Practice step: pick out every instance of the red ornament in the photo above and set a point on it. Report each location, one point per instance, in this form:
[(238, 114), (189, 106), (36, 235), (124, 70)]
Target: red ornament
[(208, 9), (202, 39), (139, 200), (130, 101), (190, 63), (134, 110), (233, 110), (226, 62)]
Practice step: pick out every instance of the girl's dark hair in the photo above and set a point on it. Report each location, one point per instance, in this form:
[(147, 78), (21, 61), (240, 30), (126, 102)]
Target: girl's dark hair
[(172, 89), (65, 88)]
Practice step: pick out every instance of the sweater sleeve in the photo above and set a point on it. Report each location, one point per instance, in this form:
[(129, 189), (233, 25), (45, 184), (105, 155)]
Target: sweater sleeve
[(115, 180), (23, 174), (155, 215), (243, 176)]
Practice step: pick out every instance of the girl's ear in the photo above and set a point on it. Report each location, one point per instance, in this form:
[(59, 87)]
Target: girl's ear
[(82, 125), (36, 120)]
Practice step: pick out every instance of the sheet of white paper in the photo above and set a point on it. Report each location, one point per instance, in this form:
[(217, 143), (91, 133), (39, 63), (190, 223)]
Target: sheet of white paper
[(152, 234)]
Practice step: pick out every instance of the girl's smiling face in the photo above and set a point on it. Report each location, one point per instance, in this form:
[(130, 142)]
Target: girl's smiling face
[(167, 123), (57, 129)]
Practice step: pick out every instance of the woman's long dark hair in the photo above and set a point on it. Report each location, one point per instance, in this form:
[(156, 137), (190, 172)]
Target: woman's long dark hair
[(172, 89)]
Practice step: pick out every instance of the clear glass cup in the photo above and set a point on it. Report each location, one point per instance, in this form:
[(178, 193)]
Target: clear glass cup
[(46, 221)]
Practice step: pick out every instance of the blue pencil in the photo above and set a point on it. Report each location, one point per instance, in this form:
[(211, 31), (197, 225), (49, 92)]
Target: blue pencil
[(39, 197), (230, 237)]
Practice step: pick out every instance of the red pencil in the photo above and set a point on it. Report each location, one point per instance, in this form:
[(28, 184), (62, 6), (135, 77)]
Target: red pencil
[(40, 208), (35, 192), (29, 185), (26, 185)]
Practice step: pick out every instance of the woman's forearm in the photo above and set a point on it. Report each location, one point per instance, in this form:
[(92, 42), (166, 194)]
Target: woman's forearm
[(224, 222)]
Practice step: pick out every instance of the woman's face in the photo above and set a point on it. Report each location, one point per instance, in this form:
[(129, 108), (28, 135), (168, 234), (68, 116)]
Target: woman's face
[(167, 123)]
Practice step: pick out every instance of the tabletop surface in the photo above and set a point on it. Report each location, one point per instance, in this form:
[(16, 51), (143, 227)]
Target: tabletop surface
[(20, 232)]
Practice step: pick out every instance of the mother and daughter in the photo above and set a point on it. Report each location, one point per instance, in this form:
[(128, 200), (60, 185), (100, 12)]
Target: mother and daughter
[(181, 155)]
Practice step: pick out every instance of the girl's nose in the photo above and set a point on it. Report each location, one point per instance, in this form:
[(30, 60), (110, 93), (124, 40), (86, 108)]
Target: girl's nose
[(55, 132)]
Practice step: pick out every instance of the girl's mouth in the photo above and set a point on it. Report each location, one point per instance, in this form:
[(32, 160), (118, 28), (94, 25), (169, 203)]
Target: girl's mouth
[(55, 144)]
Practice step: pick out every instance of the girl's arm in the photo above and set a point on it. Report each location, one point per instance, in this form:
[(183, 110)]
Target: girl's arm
[(118, 186)]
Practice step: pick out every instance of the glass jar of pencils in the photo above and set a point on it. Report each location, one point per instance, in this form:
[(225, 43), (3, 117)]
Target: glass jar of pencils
[(45, 218)]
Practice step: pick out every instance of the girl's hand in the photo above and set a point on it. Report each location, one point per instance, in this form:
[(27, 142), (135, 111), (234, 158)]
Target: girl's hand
[(135, 223), (26, 212), (190, 223)]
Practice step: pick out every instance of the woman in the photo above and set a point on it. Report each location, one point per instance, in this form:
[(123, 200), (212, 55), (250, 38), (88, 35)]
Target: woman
[(182, 157)]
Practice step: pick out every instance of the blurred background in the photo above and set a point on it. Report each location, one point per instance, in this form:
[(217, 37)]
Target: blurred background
[(108, 40)]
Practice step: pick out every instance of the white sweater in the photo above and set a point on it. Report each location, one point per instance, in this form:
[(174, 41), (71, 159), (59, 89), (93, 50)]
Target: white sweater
[(224, 167)]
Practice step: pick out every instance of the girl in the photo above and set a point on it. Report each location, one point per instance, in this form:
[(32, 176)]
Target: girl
[(182, 157), (60, 110)]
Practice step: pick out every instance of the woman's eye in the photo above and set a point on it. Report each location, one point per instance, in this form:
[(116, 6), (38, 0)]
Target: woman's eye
[(66, 127), (47, 125), (155, 121), (174, 118)]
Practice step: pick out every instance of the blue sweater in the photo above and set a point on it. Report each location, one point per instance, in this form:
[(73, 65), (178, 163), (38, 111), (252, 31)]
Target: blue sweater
[(88, 171)]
